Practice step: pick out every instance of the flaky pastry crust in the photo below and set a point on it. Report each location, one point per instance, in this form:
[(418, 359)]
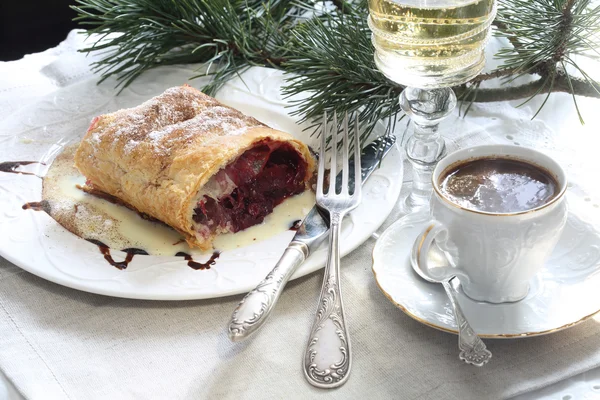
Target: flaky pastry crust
[(157, 156)]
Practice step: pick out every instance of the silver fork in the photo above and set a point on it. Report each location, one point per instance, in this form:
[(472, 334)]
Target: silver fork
[(327, 359)]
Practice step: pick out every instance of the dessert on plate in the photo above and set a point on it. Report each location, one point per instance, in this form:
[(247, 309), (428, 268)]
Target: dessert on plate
[(199, 166)]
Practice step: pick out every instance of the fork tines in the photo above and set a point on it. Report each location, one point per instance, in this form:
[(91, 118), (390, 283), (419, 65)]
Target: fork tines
[(344, 187)]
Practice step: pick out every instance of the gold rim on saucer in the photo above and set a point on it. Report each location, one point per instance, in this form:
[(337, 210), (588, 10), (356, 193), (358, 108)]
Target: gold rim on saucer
[(484, 336)]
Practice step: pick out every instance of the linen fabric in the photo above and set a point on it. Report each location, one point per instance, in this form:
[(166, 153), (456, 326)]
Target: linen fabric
[(60, 343)]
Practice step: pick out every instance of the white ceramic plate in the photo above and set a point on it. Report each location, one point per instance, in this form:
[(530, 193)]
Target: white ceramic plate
[(563, 294), (36, 243)]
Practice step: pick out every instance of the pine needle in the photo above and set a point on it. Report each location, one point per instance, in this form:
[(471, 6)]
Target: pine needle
[(326, 51)]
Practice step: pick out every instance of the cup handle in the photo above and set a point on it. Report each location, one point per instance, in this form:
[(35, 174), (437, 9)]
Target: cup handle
[(436, 234)]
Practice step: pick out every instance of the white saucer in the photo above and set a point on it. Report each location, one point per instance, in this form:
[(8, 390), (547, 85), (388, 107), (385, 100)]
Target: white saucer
[(564, 293)]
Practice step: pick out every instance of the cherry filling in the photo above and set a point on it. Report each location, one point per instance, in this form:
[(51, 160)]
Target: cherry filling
[(264, 176)]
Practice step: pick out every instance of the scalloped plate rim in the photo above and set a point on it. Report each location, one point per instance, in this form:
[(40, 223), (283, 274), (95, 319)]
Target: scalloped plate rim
[(314, 262)]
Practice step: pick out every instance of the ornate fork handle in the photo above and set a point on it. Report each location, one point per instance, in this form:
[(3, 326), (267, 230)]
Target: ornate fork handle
[(472, 348), (327, 358), (254, 309)]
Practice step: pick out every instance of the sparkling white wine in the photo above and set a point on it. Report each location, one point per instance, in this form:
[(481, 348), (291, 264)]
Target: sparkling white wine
[(430, 43)]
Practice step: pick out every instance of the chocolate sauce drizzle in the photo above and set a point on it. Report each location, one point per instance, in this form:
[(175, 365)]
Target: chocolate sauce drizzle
[(105, 250), (43, 205), (11, 167), (196, 265), (296, 225)]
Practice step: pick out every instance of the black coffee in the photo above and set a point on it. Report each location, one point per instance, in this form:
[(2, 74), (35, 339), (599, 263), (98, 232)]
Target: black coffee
[(499, 185)]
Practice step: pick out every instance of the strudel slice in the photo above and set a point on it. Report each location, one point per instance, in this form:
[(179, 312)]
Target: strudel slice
[(201, 167)]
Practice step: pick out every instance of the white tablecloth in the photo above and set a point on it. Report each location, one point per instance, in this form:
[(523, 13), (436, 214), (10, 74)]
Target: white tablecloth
[(60, 343)]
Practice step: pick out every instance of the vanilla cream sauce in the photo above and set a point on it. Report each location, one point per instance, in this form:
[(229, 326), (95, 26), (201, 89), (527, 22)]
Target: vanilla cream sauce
[(118, 227)]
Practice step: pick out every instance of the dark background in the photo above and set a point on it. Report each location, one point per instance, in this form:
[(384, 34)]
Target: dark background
[(31, 26)]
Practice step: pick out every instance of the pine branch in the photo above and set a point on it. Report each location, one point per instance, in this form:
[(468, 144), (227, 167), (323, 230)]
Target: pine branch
[(329, 54), (544, 34), (334, 62), (230, 34), (498, 73), (502, 27), (561, 84)]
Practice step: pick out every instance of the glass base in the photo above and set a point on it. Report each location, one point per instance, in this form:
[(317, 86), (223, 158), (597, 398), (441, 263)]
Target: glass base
[(421, 190), (416, 203)]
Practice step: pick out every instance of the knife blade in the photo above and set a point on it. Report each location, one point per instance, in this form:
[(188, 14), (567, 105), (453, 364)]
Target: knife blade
[(256, 306)]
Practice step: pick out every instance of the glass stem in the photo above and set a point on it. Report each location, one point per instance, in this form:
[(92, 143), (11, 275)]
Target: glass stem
[(425, 147)]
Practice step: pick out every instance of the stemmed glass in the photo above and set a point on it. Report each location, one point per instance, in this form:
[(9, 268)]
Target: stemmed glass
[(429, 46)]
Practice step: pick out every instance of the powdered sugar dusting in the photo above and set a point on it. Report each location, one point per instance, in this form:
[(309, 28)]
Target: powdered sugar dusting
[(130, 145), (175, 118), (91, 217), (217, 121)]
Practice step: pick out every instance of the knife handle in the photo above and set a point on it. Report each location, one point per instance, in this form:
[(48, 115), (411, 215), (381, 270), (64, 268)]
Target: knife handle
[(256, 306)]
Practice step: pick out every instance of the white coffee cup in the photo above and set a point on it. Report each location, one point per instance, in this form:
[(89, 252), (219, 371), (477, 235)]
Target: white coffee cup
[(494, 255)]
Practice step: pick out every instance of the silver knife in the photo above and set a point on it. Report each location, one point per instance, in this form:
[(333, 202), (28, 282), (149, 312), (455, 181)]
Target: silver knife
[(255, 307)]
